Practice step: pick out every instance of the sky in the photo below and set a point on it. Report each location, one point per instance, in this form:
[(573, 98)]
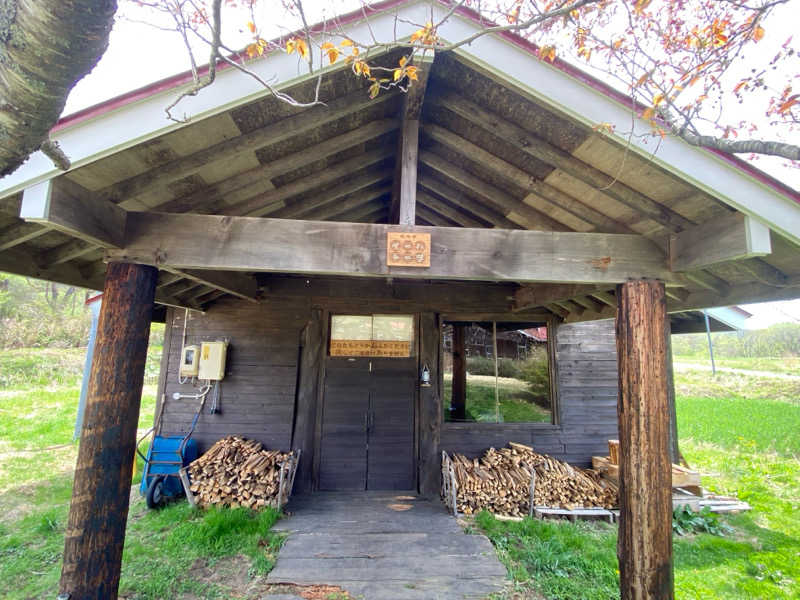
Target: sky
[(139, 54)]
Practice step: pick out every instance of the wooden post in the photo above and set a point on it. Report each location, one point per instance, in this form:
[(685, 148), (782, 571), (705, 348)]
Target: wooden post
[(430, 408), (99, 509), (458, 402), (674, 450), (644, 545), (311, 358)]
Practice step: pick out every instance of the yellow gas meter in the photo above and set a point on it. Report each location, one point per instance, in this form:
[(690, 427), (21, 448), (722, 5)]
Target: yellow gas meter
[(212, 360)]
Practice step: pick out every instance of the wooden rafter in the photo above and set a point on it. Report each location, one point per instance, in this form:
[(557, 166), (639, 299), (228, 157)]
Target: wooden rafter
[(480, 210), (547, 193), (269, 135)]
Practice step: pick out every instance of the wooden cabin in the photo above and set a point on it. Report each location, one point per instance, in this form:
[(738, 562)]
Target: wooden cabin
[(330, 246)]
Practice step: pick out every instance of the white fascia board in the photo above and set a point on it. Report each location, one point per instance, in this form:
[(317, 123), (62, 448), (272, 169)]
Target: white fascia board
[(131, 124), (503, 60), (727, 316)]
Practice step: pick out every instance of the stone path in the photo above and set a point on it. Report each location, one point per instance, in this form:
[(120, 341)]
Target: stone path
[(384, 546)]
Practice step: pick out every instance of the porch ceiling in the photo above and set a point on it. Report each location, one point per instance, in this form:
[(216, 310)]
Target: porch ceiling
[(489, 157)]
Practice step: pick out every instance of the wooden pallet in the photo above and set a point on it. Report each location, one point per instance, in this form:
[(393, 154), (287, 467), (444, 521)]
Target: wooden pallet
[(574, 514)]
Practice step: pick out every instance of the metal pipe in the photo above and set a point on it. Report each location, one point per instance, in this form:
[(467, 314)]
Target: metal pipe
[(710, 345)]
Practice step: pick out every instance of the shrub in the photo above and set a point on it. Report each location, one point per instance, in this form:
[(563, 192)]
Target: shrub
[(481, 365), (535, 371)]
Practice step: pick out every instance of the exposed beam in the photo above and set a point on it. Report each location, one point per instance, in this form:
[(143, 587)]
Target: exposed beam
[(237, 284), (355, 200), (479, 209), (524, 180), (269, 135), (404, 192), (448, 211), (709, 281), (361, 212), (74, 248), (274, 200), (257, 244), (434, 218), (331, 195), (251, 183), (71, 210), (530, 145), (19, 233), (763, 272), (732, 237), (512, 208), (529, 296)]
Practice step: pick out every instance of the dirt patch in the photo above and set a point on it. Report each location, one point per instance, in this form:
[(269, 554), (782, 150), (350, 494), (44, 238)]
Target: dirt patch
[(231, 576)]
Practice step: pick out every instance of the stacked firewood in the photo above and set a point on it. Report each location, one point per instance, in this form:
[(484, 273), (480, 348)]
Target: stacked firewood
[(237, 472), (500, 482)]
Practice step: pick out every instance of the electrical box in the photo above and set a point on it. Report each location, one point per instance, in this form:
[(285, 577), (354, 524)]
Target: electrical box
[(212, 360), (190, 358)]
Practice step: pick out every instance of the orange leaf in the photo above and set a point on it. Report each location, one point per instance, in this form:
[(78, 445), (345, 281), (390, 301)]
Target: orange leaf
[(403, 60), (251, 26), (412, 73), (302, 49), (346, 43), (641, 81), (252, 50), (398, 73), (784, 108), (290, 46), (758, 33), (374, 89), (333, 54), (648, 113), (658, 99)]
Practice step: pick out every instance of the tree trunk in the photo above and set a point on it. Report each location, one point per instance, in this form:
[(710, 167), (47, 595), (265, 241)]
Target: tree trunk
[(644, 545), (458, 402), (99, 508), (46, 46)]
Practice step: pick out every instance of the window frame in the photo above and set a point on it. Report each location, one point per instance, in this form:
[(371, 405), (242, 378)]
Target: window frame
[(552, 322)]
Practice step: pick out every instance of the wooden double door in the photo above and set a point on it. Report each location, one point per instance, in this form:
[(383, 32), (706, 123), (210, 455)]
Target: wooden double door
[(367, 438)]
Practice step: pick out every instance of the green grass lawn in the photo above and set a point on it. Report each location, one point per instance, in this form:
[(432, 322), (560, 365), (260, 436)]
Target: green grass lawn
[(745, 442), (740, 432), (517, 404), (788, 365)]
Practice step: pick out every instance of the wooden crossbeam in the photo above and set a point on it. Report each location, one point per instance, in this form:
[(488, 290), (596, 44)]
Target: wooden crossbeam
[(19, 233), (66, 207), (512, 208), (274, 133), (731, 237), (446, 210), (404, 192), (312, 247), (530, 145), (547, 193)]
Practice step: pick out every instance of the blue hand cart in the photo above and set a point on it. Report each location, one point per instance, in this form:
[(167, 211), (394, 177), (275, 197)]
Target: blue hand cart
[(162, 465)]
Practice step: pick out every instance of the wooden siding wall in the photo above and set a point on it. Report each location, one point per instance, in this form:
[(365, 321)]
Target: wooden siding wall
[(258, 392), (586, 372)]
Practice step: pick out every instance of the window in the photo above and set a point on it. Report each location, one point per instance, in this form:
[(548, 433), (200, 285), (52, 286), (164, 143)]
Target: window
[(372, 335), (514, 388)]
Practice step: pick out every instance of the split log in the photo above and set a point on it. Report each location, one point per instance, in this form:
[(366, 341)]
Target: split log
[(237, 472), (500, 482)]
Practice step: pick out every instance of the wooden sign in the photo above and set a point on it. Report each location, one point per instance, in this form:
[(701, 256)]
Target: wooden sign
[(381, 348), (408, 249)]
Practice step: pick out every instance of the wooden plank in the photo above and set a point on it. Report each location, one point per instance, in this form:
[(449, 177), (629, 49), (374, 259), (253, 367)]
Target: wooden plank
[(238, 284), (530, 296), (479, 209), (732, 237), (645, 530), (108, 439), (311, 247), (524, 180), (352, 201), (539, 149), (311, 356), (514, 209), (71, 209), (274, 133), (250, 183), (430, 405), (19, 233), (458, 217), (272, 201)]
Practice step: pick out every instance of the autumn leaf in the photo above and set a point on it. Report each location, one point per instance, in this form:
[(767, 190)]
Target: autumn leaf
[(346, 43), (758, 33), (251, 26), (252, 50), (302, 49), (332, 51), (784, 108), (398, 73), (374, 89), (291, 45), (658, 99), (411, 72), (548, 53), (648, 113), (402, 62)]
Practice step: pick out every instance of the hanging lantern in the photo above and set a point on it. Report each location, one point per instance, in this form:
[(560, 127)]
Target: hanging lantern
[(425, 378)]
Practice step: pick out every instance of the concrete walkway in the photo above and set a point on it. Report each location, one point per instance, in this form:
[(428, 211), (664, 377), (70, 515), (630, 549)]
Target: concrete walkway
[(384, 546)]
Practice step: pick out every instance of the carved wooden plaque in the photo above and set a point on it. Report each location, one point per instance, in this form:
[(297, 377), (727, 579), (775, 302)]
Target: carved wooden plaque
[(408, 249)]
